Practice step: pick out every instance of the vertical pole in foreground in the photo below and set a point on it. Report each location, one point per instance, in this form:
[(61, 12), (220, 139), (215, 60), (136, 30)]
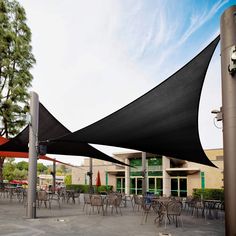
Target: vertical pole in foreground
[(54, 177), (144, 171), (228, 73), (90, 175), (33, 155)]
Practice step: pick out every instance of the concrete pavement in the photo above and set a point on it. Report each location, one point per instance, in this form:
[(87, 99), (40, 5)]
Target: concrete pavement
[(72, 220)]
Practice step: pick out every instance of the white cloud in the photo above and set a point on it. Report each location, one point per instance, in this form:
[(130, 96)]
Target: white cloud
[(199, 18)]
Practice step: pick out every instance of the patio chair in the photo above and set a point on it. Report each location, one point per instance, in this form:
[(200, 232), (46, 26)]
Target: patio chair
[(199, 206), (77, 195), (221, 210), (113, 201), (96, 202), (212, 208), (146, 208), (189, 203), (87, 201), (160, 210), (138, 201), (173, 212), (62, 194), (43, 197), (54, 197)]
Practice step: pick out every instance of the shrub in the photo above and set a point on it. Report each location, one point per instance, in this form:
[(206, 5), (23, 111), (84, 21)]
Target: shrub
[(209, 193), (104, 188), (85, 188)]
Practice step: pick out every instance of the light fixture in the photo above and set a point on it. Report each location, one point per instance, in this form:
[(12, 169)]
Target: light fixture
[(218, 116)]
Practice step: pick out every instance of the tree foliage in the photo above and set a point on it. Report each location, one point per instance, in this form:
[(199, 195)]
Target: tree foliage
[(41, 168), (68, 180), (19, 171), (8, 170), (22, 165), (16, 60)]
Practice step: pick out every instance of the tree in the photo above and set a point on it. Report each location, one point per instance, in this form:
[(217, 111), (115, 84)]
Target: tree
[(22, 165), (16, 60), (68, 180), (20, 174), (8, 170), (41, 168)]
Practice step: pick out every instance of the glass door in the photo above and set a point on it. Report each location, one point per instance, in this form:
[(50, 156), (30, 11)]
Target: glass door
[(139, 186), (136, 185), (179, 187), (159, 186), (151, 185), (155, 185), (120, 184)]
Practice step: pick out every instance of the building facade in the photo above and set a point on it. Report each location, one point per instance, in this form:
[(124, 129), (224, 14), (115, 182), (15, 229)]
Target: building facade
[(163, 175)]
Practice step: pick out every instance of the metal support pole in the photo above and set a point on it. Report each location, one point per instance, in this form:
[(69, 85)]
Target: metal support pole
[(91, 175), (228, 73), (144, 173), (33, 155), (54, 177)]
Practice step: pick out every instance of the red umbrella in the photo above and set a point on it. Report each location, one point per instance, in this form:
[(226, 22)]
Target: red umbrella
[(98, 180)]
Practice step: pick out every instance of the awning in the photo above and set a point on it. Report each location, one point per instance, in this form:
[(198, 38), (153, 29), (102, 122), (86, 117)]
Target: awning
[(163, 121), (182, 171), (9, 154), (49, 128)]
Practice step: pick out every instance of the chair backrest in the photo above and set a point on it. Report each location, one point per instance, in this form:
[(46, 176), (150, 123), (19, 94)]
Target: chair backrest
[(138, 199), (96, 200), (118, 200), (42, 195), (110, 199), (174, 207), (87, 198), (199, 204)]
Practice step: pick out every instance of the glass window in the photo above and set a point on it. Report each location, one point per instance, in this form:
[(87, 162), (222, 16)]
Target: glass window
[(139, 185), (132, 186), (155, 161), (136, 170), (183, 187), (174, 187), (151, 184)]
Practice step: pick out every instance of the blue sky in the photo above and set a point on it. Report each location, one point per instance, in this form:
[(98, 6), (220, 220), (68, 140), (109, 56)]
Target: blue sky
[(93, 57)]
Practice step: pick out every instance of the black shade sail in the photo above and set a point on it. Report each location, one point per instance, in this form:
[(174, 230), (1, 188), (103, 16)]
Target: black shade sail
[(50, 128), (163, 121)]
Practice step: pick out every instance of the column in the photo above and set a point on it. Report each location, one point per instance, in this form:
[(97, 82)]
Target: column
[(228, 76), (166, 177), (127, 177), (33, 155), (144, 172)]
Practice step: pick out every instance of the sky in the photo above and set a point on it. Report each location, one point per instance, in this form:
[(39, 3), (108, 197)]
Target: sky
[(94, 57)]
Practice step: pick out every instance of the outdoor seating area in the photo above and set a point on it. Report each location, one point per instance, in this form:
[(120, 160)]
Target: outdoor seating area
[(160, 215)]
